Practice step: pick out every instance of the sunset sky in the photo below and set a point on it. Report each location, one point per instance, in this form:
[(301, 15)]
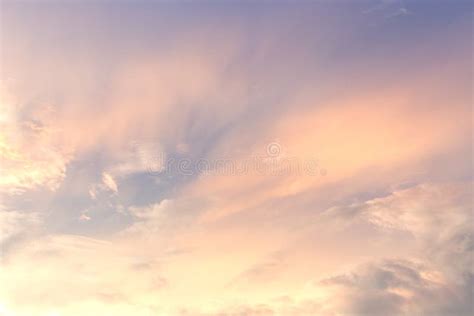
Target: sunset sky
[(236, 158)]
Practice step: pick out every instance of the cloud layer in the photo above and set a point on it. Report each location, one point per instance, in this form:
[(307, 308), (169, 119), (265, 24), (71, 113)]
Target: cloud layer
[(236, 159)]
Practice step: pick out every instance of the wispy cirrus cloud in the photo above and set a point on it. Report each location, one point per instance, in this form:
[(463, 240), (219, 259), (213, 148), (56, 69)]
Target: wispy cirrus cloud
[(94, 223)]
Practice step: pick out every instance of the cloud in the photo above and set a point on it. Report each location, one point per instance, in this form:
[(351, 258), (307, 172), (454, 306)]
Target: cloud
[(84, 217), (31, 153), (37, 278), (439, 217), (137, 157), (397, 287), (109, 182), (105, 188), (432, 275), (15, 225), (437, 214), (91, 122), (387, 9), (334, 133), (164, 219)]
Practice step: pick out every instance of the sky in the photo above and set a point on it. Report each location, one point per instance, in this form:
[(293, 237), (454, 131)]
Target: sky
[(236, 158)]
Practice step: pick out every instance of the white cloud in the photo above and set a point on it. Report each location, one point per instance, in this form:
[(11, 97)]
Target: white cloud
[(84, 217), (32, 154), (109, 182)]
